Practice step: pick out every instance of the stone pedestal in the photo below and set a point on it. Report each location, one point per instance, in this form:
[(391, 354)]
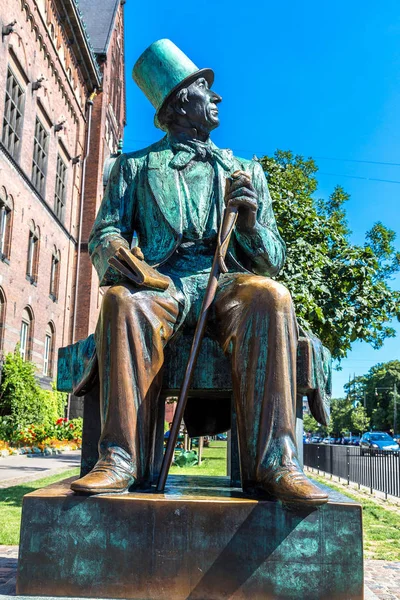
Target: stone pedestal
[(201, 540)]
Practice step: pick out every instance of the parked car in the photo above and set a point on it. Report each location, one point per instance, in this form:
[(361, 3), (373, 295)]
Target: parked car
[(222, 437), (316, 439), (377, 441), (355, 440)]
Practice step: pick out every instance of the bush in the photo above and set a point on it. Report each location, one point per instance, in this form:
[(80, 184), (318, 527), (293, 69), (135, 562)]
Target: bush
[(68, 430), (23, 400)]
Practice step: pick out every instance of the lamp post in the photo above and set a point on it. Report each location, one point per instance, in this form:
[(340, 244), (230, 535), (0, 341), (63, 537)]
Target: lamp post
[(394, 404)]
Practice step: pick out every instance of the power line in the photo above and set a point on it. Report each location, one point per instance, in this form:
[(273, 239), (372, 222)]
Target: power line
[(356, 160), (358, 177)]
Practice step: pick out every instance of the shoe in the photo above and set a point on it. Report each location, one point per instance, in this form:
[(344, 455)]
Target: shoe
[(104, 479), (290, 486)]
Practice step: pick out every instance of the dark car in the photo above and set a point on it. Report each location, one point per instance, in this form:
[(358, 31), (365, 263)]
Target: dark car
[(377, 441), (316, 439)]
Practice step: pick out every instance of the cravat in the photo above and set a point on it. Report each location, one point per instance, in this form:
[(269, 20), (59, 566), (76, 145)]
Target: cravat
[(190, 150)]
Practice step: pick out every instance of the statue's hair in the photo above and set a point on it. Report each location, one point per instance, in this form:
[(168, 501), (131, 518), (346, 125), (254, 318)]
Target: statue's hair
[(176, 101)]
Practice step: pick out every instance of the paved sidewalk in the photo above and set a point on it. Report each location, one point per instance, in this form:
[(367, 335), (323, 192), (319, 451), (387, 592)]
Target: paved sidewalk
[(382, 578), (21, 468)]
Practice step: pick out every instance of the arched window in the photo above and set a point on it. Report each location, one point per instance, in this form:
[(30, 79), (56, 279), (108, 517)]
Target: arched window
[(6, 214), (32, 265), (26, 336), (49, 351), (2, 317), (55, 274)]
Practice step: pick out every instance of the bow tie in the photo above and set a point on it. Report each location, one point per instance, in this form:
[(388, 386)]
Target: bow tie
[(195, 150)]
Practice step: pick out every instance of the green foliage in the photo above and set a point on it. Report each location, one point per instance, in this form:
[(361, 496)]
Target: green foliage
[(341, 291), (347, 417), (310, 425), (67, 430), (378, 386), (23, 400)]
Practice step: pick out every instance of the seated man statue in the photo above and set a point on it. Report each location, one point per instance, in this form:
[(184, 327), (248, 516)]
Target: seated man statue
[(171, 197)]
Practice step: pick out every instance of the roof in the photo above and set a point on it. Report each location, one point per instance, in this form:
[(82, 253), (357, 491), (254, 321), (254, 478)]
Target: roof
[(79, 40), (99, 18)]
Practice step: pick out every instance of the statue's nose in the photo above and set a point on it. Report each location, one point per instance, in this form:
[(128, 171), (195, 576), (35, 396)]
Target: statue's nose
[(216, 98)]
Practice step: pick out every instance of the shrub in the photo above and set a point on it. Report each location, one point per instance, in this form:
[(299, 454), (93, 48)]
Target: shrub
[(68, 430), (23, 400)]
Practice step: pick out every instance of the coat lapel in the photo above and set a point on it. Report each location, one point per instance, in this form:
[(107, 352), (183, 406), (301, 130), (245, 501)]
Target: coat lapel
[(164, 184)]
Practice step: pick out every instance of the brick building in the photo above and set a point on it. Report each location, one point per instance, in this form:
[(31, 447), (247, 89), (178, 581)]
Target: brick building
[(50, 71), (105, 22)]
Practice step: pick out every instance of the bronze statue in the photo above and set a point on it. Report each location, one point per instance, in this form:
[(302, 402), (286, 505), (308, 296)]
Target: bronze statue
[(170, 197)]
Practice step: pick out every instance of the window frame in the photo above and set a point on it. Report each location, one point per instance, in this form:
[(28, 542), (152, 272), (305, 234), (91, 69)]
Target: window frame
[(26, 340), (6, 221), (13, 118), (55, 274), (60, 190), (3, 307), (32, 264), (48, 354), (40, 157)]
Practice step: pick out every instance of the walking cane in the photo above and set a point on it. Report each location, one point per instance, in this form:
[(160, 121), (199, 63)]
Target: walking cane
[(218, 267)]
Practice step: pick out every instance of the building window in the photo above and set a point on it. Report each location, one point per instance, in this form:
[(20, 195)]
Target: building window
[(6, 213), (13, 112), (40, 151), (26, 336), (55, 274), (48, 351), (2, 317), (59, 198), (32, 264)]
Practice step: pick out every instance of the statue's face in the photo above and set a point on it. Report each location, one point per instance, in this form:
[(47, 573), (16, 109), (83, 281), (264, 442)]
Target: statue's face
[(201, 106)]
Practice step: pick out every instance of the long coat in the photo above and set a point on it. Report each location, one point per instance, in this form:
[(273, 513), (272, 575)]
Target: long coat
[(143, 201)]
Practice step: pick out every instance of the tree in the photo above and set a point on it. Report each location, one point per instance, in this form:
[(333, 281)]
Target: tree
[(377, 389), (345, 416), (310, 425), (340, 290)]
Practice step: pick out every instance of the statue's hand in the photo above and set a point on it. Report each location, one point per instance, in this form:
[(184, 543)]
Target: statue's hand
[(243, 195), (136, 251)]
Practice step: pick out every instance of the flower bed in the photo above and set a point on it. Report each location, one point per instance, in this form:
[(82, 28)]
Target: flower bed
[(63, 435)]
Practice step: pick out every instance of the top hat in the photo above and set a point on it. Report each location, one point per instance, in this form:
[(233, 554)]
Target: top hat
[(163, 69)]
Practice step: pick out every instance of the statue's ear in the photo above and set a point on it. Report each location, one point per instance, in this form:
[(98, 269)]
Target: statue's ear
[(179, 108)]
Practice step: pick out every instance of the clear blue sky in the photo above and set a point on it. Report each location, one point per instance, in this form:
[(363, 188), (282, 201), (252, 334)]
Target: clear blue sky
[(316, 78)]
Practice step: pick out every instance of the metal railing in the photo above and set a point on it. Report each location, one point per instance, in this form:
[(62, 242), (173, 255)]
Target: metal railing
[(378, 471)]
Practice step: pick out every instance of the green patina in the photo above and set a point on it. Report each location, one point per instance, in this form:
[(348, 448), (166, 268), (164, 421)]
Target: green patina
[(206, 540)]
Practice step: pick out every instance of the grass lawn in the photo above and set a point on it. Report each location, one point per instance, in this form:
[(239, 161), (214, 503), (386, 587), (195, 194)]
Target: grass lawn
[(381, 525), (11, 504), (213, 462)]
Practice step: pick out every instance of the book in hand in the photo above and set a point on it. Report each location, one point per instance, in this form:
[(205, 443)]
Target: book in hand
[(138, 270)]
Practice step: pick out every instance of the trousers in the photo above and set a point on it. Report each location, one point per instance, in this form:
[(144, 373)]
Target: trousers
[(253, 320)]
